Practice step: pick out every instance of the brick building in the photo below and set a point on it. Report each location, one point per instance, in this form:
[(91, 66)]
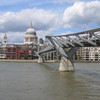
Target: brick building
[(11, 53), (19, 53), (2, 52)]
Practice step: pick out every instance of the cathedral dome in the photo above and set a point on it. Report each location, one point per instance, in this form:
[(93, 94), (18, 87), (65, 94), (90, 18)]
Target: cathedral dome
[(30, 36), (30, 31)]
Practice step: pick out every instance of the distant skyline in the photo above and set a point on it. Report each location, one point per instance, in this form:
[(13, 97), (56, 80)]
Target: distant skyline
[(49, 17)]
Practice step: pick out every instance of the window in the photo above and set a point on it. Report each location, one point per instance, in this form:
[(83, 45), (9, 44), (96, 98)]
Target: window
[(26, 39), (14, 49), (31, 39), (9, 49)]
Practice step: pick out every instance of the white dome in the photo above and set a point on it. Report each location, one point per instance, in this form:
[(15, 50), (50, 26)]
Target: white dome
[(30, 35), (30, 31)]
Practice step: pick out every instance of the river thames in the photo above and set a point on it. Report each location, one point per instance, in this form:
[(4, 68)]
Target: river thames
[(33, 81)]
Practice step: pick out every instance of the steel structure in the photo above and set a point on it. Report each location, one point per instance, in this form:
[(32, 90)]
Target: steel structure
[(90, 38)]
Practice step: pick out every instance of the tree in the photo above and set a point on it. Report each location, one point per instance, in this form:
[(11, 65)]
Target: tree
[(25, 57), (79, 58)]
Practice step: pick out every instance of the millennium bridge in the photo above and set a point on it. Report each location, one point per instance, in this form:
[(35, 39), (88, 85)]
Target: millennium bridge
[(60, 43)]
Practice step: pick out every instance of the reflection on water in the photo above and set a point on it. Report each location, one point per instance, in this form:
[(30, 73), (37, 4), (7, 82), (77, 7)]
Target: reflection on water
[(31, 81)]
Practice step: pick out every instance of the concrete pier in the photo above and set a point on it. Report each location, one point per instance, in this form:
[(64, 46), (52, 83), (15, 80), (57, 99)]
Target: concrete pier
[(66, 65), (40, 60)]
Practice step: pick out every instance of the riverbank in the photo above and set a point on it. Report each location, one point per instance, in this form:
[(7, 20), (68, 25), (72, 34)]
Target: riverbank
[(50, 61), (26, 61), (86, 61)]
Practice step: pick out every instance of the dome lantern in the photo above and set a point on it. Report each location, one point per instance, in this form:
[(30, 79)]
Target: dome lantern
[(30, 30), (31, 26)]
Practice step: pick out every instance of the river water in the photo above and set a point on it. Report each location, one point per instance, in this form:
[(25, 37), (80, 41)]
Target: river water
[(32, 81)]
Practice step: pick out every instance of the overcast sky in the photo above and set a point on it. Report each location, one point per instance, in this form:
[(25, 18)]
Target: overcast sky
[(49, 17)]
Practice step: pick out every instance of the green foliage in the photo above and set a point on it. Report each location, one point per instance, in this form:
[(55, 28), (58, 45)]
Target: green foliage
[(79, 58), (19, 57), (25, 57)]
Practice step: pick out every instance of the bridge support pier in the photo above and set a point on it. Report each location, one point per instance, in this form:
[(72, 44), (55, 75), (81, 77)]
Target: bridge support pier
[(40, 60), (66, 65)]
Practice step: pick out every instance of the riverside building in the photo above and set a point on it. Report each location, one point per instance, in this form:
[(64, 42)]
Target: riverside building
[(26, 50), (30, 36), (20, 50), (87, 54)]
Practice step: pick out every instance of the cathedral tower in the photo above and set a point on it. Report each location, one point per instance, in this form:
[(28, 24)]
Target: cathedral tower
[(5, 39)]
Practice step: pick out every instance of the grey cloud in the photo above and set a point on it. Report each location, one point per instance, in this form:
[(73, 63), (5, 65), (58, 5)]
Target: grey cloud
[(42, 20), (15, 37), (16, 23), (79, 15), (83, 13)]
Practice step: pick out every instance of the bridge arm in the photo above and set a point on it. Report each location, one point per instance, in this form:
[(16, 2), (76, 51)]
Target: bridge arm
[(80, 44), (94, 44), (66, 64), (63, 52), (57, 47), (47, 49), (59, 42), (62, 41), (72, 51), (69, 43), (96, 36)]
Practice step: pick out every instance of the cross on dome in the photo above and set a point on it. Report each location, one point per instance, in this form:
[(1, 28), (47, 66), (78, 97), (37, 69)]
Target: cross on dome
[(31, 26), (5, 36)]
